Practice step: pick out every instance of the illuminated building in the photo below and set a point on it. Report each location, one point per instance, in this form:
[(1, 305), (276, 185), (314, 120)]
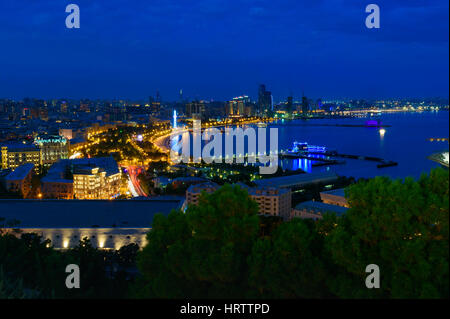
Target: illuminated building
[(265, 100), (316, 210), (289, 104), (239, 106), (64, 107), (271, 201), (84, 178), (67, 133), (107, 224), (53, 148), (305, 105), (94, 183), (19, 181), (195, 109), (194, 191), (334, 197), (14, 155)]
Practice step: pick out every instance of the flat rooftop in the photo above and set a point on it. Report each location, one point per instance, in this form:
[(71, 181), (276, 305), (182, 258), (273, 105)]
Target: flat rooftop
[(319, 207), (20, 147), (20, 172), (86, 214), (297, 180), (57, 170), (336, 192)]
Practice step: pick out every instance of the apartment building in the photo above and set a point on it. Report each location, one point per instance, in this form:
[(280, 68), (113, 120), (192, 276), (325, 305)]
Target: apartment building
[(19, 181), (85, 178), (334, 197), (271, 201), (14, 155)]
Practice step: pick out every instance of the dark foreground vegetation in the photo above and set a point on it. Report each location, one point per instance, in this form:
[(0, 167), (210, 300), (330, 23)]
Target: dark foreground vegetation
[(223, 249)]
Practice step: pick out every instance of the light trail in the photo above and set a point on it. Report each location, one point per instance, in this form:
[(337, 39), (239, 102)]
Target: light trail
[(131, 187), (76, 155)]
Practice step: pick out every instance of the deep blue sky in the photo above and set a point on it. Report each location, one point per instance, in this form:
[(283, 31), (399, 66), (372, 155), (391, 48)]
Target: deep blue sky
[(223, 48)]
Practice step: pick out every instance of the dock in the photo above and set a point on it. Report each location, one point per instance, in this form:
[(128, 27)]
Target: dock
[(323, 161)]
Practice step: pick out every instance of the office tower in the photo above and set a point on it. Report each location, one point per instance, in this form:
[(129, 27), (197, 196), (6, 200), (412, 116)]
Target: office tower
[(289, 104), (238, 106), (85, 106), (319, 104), (305, 105), (265, 100), (116, 111), (230, 108), (63, 108), (195, 109)]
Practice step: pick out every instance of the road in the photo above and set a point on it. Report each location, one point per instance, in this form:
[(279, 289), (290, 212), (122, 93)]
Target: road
[(135, 187)]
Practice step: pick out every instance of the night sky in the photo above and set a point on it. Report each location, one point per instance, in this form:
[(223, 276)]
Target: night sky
[(218, 49)]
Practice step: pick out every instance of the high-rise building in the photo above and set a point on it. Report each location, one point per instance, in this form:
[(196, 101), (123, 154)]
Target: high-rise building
[(305, 105), (265, 100), (85, 106), (319, 104), (64, 107), (116, 111), (195, 109), (289, 103), (181, 95), (240, 106)]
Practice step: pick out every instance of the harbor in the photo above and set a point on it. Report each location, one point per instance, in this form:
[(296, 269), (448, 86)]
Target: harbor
[(322, 157)]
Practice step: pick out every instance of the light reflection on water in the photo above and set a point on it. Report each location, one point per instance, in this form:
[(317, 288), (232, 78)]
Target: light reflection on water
[(405, 142)]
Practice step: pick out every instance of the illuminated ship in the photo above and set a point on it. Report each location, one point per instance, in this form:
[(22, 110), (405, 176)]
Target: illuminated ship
[(304, 147), (261, 124), (373, 123)]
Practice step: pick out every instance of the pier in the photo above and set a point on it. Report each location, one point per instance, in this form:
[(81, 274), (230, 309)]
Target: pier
[(326, 161)]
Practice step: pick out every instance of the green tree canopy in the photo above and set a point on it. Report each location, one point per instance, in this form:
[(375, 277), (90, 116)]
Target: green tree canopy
[(401, 226), (203, 252)]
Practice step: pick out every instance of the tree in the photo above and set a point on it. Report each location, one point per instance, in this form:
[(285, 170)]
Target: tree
[(201, 253), (290, 265), (401, 226)]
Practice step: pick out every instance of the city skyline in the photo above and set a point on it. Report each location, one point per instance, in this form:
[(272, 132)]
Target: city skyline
[(141, 48)]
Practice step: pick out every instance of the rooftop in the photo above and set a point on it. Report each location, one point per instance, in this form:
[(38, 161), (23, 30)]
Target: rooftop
[(264, 190), (86, 214), (336, 192), (297, 180), (20, 172), (319, 207), (57, 171), (20, 147), (198, 188)]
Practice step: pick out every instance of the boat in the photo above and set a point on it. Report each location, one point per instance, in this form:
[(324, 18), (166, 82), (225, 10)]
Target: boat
[(305, 148), (373, 123), (261, 124)]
